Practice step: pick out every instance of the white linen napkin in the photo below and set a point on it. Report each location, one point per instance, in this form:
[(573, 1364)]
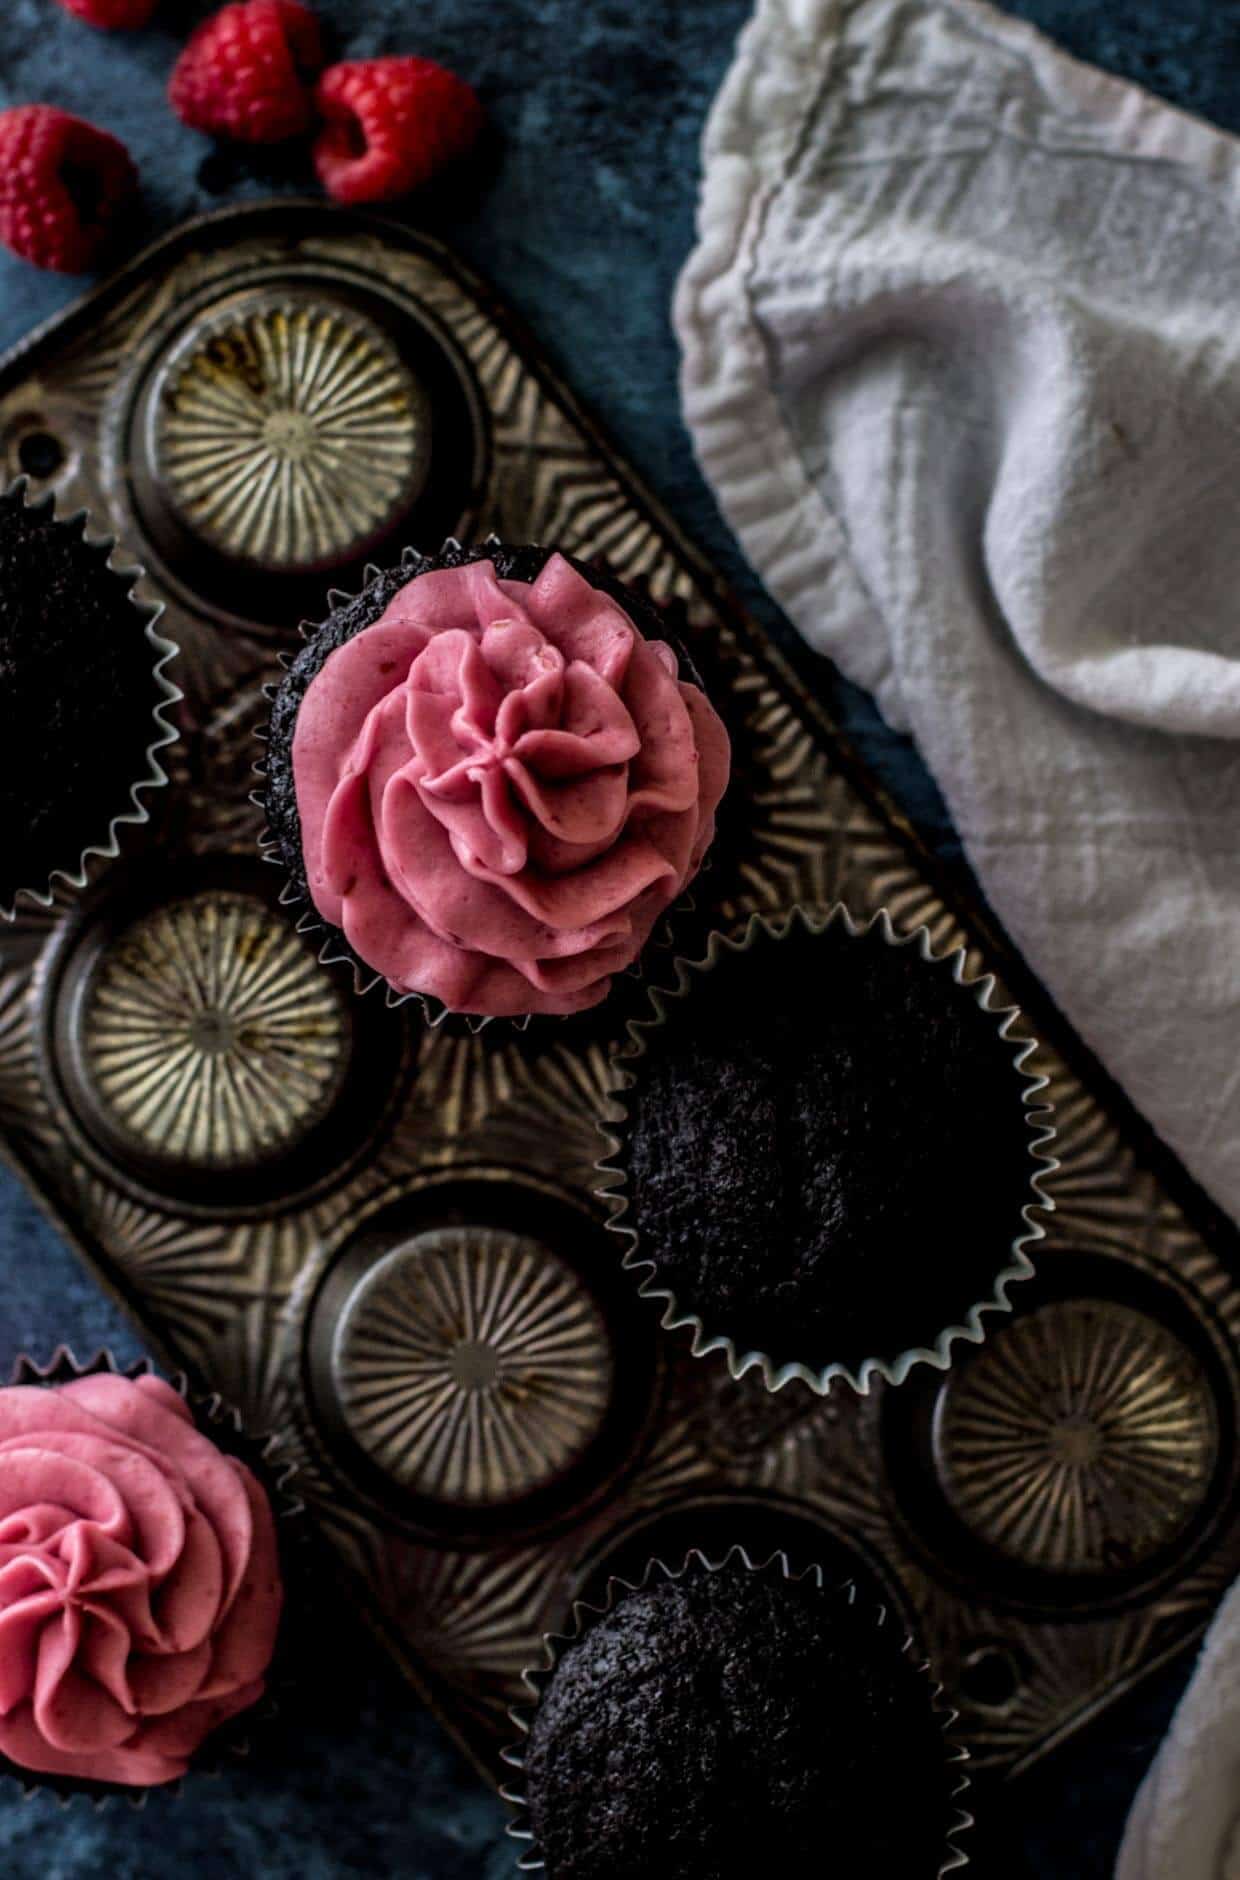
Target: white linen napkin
[(961, 359), (961, 349), (1185, 1822)]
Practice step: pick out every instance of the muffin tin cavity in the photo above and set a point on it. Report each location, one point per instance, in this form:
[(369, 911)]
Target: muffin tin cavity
[(1082, 1440), (475, 1363), (289, 434), (195, 1037), (281, 434), (1086, 1451), (472, 1366)]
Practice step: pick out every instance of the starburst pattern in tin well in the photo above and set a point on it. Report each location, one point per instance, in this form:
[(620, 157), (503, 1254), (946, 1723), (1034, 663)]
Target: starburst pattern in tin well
[(1080, 1439), (473, 1366), (291, 435), (211, 1036)]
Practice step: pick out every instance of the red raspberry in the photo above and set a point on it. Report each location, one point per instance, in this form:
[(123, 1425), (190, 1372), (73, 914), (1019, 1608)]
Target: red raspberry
[(246, 72), (62, 182), (389, 125), (112, 15)]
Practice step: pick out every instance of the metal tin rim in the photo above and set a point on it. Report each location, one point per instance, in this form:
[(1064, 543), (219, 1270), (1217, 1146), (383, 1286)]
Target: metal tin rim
[(296, 1174), (519, 1202)]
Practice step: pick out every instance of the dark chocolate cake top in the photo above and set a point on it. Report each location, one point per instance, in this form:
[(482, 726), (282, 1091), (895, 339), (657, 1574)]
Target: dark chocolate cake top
[(733, 1724), (827, 1151), (77, 694)]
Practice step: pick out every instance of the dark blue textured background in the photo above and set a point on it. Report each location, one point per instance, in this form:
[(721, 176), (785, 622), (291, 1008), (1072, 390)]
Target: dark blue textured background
[(582, 213)]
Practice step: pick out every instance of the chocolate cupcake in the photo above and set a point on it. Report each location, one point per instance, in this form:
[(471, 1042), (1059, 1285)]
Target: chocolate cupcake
[(825, 1163), (486, 779), (140, 1580), (83, 697), (729, 1720)]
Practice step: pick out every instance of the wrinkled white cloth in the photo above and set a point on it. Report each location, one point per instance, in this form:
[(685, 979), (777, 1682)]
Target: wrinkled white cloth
[(961, 359), (1185, 1823), (961, 346)]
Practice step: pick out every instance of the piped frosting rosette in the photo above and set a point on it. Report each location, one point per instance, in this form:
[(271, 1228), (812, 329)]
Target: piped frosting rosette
[(500, 785), (140, 1584)]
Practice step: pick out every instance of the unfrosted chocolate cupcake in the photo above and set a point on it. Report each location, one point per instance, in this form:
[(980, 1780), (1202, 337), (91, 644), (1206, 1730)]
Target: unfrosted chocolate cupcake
[(488, 778), (729, 1721), (82, 695), (826, 1158)]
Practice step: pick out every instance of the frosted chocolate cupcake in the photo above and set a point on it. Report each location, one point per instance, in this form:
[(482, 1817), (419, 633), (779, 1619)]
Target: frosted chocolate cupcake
[(827, 1159), (729, 1721), (489, 779), (82, 697), (140, 1587)]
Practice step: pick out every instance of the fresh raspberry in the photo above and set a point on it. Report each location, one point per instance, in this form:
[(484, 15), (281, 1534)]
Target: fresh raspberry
[(112, 15), (62, 182), (389, 125), (246, 72)]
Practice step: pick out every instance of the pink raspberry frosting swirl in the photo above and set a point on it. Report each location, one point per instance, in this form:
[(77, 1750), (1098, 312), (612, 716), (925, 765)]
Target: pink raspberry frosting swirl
[(501, 785), (139, 1582)]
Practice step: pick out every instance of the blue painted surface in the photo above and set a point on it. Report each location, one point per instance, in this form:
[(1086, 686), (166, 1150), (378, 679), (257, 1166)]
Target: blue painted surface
[(582, 213)]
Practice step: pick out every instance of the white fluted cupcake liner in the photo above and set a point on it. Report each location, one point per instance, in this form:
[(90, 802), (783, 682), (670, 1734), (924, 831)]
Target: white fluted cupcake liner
[(334, 949), (584, 1614), (150, 774), (263, 1456), (705, 1339)]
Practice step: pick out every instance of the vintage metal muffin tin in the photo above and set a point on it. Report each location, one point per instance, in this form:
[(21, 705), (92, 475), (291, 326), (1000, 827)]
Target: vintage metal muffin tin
[(382, 1236)]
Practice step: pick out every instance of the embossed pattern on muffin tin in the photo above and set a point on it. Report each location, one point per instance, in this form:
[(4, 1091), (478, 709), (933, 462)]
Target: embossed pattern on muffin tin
[(198, 1044), (288, 435), (472, 1366), (1081, 1441), (475, 1366), (244, 1272), (207, 1034)]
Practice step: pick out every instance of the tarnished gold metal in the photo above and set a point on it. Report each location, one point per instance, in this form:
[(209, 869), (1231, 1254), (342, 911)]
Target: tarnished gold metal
[(1079, 1441), (472, 1365), (288, 434)]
